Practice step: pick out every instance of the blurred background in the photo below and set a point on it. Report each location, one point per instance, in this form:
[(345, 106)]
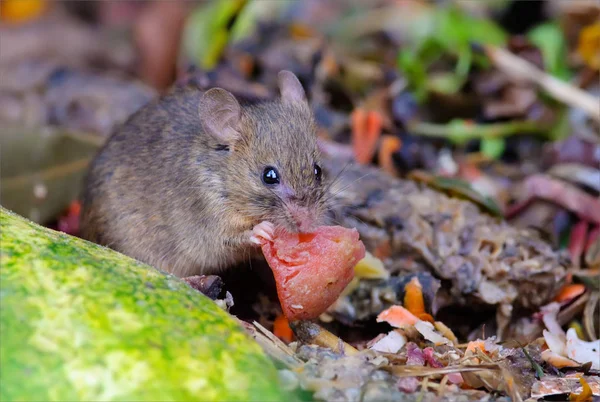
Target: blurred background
[(494, 101)]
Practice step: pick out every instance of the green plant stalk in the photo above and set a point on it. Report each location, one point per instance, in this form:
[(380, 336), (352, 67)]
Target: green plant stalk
[(459, 133)]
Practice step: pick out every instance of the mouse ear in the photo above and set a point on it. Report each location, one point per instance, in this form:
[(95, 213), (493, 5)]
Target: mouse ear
[(220, 114), (290, 87)]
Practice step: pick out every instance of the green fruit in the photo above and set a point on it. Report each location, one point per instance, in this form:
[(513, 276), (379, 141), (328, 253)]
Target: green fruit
[(82, 322)]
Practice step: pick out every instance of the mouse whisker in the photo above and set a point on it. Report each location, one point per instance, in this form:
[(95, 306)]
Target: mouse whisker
[(337, 176), (346, 187)]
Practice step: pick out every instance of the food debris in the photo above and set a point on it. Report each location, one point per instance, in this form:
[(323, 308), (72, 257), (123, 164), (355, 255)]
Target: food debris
[(366, 130), (282, 330), (413, 300), (311, 271), (564, 386), (371, 267), (398, 317), (391, 343)]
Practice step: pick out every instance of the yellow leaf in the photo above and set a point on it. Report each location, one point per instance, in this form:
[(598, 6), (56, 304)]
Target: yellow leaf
[(21, 10), (586, 392), (589, 45)]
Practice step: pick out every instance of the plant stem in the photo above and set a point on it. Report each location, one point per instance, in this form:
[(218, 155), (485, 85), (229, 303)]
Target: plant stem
[(460, 132)]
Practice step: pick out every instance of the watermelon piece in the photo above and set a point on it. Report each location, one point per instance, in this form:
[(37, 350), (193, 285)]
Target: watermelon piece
[(311, 270), (80, 322)]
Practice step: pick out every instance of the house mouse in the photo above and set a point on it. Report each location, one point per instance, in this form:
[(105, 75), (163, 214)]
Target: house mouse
[(193, 182)]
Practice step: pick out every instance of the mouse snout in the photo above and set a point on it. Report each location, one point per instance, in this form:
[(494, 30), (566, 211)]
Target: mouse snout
[(302, 219)]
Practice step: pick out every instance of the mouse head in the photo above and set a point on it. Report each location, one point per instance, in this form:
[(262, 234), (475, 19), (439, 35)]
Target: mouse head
[(272, 160)]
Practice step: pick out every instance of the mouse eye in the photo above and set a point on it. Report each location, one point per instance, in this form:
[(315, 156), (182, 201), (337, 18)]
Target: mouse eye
[(318, 172), (270, 175)]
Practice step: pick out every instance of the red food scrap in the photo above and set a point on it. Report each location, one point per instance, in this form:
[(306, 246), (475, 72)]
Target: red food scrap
[(311, 270), (428, 353), (414, 355)]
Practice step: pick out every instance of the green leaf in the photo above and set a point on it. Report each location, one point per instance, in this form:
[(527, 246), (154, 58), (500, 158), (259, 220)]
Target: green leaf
[(457, 29), (414, 71), (549, 38), (252, 13), (446, 31), (493, 147), (206, 31), (539, 372), (214, 25)]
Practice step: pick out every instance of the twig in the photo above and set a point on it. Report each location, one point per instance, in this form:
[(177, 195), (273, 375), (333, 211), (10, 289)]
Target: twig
[(90, 139), (271, 344), (47, 174), (521, 69), (309, 332), (588, 315), (419, 371)]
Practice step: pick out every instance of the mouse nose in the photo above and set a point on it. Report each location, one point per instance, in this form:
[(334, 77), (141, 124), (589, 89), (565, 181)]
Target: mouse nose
[(303, 218)]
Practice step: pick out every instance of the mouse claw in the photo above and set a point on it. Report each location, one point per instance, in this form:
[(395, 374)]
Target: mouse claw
[(262, 231)]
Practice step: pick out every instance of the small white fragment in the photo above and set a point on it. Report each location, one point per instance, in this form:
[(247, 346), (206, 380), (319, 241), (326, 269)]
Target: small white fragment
[(297, 306), (554, 342), (582, 351), (549, 317), (40, 191), (427, 330), (391, 343), (447, 163)]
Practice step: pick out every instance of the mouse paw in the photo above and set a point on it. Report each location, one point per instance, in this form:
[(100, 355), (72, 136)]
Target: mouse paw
[(261, 232)]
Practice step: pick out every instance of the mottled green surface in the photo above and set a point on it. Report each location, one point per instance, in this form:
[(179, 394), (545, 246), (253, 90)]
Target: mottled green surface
[(80, 322)]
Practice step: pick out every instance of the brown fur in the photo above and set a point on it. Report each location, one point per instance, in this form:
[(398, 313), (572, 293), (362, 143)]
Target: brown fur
[(165, 191)]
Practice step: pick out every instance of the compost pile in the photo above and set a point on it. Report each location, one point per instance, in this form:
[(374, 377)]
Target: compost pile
[(462, 144)]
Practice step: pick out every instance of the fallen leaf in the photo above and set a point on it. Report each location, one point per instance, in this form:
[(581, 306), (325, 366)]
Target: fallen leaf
[(540, 186), (589, 45), (550, 39), (565, 385), (586, 393), (569, 292), (557, 360), (20, 11)]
